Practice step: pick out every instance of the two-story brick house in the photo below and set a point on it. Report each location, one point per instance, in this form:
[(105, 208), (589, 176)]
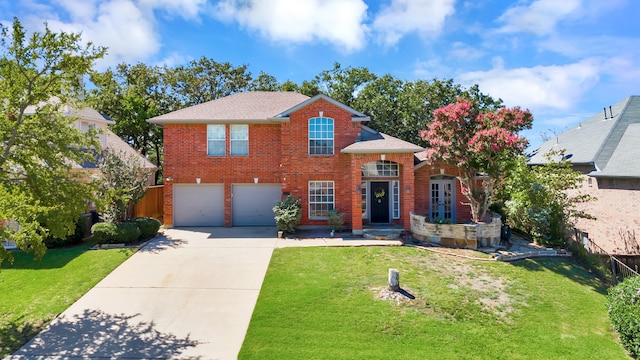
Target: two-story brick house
[(228, 161)]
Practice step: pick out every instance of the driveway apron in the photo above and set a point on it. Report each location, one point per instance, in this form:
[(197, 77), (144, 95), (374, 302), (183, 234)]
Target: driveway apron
[(187, 294)]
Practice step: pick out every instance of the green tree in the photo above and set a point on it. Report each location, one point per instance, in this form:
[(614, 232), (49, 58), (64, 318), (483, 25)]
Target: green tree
[(123, 182), (130, 95), (343, 84), (39, 78), (205, 80), (542, 200), (400, 108)]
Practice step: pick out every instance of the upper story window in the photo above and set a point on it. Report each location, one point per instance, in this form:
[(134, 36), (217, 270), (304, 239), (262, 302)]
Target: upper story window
[(239, 139), (216, 140), (320, 136)]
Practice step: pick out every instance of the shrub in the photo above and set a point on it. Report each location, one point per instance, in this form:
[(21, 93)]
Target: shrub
[(127, 233), (110, 233), (335, 220), (148, 226), (104, 232), (288, 213), (82, 225), (623, 305)]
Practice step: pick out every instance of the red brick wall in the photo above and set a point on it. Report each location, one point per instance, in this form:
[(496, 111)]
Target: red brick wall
[(298, 167), (185, 159), (422, 178)]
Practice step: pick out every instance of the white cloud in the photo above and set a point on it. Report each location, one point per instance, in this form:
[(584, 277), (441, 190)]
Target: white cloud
[(540, 87), (539, 17), (126, 27), (402, 17), (339, 22), (118, 24), (188, 9), (464, 52)]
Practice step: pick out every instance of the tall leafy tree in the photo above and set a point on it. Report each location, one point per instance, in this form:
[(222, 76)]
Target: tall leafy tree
[(205, 80), (478, 143), (40, 76), (343, 84), (402, 108), (131, 94)]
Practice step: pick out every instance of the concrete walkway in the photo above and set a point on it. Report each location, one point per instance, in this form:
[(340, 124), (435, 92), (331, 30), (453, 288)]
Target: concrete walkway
[(186, 295)]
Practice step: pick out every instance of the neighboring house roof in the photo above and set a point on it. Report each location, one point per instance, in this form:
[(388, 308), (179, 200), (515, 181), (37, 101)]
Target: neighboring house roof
[(115, 144), (247, 107), (86, 113), (356, 115), (372, 142), (607, 140)]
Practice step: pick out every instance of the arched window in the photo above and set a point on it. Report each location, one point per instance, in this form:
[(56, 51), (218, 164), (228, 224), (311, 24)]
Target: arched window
[(320, 136)]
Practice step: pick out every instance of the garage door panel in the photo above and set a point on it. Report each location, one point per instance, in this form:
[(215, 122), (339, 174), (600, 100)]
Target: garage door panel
[(252, 204), (198, 205)]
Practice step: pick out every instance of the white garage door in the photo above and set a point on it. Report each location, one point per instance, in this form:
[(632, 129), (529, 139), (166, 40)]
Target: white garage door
[(198, 205), (252, 204)]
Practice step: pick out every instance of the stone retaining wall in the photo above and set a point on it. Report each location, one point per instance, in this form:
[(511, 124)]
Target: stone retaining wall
[(470, 236)]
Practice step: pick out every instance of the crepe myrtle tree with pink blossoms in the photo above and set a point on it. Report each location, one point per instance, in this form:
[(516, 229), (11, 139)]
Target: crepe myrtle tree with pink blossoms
[(483, 146)]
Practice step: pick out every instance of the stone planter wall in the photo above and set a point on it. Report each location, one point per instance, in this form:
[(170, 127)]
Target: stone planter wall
[(470, 236)]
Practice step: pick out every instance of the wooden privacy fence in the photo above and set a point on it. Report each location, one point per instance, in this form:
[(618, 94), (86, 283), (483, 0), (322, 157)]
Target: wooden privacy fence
[(151, 205)]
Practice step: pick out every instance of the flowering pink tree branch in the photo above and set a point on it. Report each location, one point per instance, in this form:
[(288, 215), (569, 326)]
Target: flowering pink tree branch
[(482, 145)]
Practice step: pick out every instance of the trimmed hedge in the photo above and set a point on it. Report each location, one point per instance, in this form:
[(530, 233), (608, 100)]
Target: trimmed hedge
[(110, 233), (104, 232), (148, 226), (623, 306)]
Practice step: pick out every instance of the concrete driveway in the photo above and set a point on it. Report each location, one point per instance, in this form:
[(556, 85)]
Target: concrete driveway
[(188, 294)]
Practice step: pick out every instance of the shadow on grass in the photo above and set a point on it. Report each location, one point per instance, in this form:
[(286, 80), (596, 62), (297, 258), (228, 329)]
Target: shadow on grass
[(53, 258), (16, 333), (95, 333), (566, 267)]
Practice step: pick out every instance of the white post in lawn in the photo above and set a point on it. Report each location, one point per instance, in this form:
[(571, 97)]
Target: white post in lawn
[(394, 280)]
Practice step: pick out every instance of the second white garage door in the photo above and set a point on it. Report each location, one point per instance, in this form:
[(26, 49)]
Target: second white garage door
[(198, 205), (252, 204)]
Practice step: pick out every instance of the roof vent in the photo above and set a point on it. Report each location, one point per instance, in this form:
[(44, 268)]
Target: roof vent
[(605, 113)]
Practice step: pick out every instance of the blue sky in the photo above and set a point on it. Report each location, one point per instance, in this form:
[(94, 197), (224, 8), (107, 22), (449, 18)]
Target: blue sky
[(562, 59)]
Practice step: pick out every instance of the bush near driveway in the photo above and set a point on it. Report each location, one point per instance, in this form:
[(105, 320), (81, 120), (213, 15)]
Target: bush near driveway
[(126, 232)]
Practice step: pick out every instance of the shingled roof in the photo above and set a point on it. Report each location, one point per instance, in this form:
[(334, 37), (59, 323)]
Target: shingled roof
[(246, 107), (609, 141), (372, 142)]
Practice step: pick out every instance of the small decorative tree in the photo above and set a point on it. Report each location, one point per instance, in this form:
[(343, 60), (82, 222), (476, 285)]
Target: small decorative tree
[(123, 182), (287, 214), (482, 145)]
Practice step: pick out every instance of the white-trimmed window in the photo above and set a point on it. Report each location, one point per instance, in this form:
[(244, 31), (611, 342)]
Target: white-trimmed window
[(216, 140), (365, 210), (239, 139), (321, 199), (380, 168), (395, 185), (320, 136)]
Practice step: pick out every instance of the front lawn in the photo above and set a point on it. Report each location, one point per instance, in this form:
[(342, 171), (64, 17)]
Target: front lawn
[(32, 292), (321, 303)]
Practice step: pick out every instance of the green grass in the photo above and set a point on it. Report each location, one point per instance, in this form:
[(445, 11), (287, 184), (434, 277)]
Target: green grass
[(321, 303), (33, 292)]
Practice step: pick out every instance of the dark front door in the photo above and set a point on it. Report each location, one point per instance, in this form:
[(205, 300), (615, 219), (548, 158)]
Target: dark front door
[(379, 200)]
